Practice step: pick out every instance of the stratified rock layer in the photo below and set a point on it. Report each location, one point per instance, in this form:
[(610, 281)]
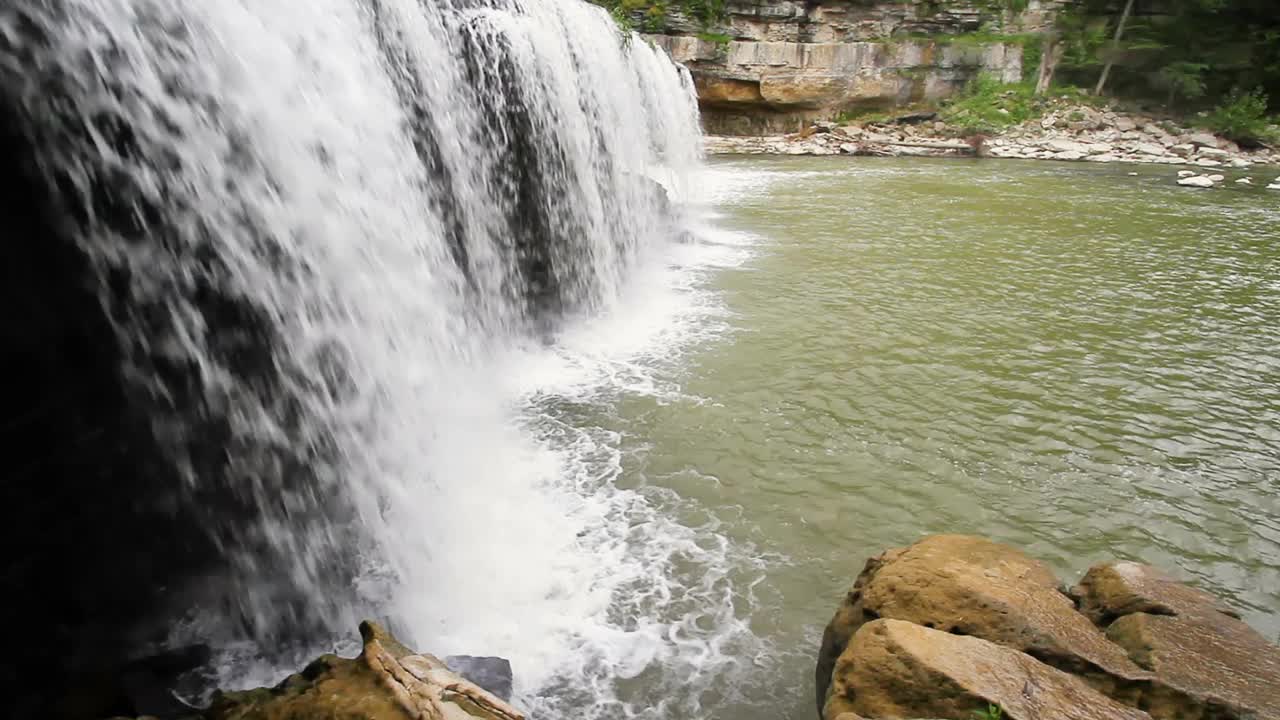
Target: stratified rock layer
[(1139, 640), (772, 65)]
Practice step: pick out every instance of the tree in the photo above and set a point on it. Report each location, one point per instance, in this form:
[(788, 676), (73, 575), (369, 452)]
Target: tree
[(1050, 56), (1115, 47)]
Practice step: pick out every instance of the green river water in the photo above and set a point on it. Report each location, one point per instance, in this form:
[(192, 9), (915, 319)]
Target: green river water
[(1065, 357)]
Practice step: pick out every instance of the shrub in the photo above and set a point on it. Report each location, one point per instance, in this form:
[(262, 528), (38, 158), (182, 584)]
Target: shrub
[(1242, 117), (987, 106)]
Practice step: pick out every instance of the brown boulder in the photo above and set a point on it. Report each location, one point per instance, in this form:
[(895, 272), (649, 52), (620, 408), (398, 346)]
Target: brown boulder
[(898, 669), (973, 586), (1188, 638), (388, 681)]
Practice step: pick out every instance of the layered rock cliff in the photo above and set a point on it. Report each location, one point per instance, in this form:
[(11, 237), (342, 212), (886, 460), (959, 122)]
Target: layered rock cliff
[(774, 65)]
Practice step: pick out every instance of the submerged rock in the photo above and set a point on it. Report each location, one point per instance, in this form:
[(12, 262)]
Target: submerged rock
[(952, 623), (387, 681)]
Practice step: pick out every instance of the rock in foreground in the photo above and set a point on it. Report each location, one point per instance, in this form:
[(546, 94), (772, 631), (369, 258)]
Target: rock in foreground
[(954, 624), (387, 681), (899, 669), (1188, 638)]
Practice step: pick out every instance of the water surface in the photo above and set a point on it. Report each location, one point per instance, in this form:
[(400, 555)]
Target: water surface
[(1068, 358)]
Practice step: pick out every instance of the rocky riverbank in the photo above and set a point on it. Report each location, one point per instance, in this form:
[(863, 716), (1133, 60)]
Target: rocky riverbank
[(386, 681), (1072, 133), (962, 627)]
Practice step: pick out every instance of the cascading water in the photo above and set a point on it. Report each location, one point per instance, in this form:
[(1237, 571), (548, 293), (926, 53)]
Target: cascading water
[(327, 235)]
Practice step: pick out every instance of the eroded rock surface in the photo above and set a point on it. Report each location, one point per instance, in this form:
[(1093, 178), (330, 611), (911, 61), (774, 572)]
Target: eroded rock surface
[(772, 66), (952, 622), (387, 681), (897, 669), (1187, 637), (973, 586)]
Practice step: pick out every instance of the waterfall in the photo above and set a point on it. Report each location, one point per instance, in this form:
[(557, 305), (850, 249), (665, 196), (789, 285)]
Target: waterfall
[(320, 231)]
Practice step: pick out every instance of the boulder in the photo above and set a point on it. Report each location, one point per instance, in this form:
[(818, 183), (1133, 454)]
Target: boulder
[(491, 673), (1274, 186), (1240, 163), (973, 586), (1147, 148), (1199, 181), (1208, 162), (1186, 173), (1124, 124), (1213, 152), (1202, 139), (387, 681), (1156, 131), (1184, 149), (1188, 638), (1063, 146), (896, 669), (1217, 178), (1244, 181)]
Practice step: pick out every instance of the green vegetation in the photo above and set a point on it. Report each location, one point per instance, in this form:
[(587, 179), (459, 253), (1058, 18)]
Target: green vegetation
[(992, 712), (1243, 117), (721, 40), (988, 106), (653, 15), (1195, 53)]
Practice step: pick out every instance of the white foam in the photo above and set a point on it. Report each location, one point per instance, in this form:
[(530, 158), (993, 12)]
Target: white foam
[(482, 471)]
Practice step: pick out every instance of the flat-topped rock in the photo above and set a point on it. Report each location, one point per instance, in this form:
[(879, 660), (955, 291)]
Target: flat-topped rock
[(1128, 633), (973, 586), (896, 669), (1191, 640)]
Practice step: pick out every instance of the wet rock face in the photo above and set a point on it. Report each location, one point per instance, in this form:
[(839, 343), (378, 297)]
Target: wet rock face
[(942, 627), (491, 673), (1188, 638)]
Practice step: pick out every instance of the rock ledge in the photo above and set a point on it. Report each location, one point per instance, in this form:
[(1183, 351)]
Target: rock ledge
[(954, 624)]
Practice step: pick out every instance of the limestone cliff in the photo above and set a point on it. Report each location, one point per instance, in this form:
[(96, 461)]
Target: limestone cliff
[(773, 65)]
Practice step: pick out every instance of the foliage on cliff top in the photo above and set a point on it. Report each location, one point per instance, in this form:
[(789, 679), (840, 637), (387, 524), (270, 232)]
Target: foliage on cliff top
[(654, 15)]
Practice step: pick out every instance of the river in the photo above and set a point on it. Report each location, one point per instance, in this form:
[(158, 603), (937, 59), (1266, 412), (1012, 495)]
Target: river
[(1075, 359)]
